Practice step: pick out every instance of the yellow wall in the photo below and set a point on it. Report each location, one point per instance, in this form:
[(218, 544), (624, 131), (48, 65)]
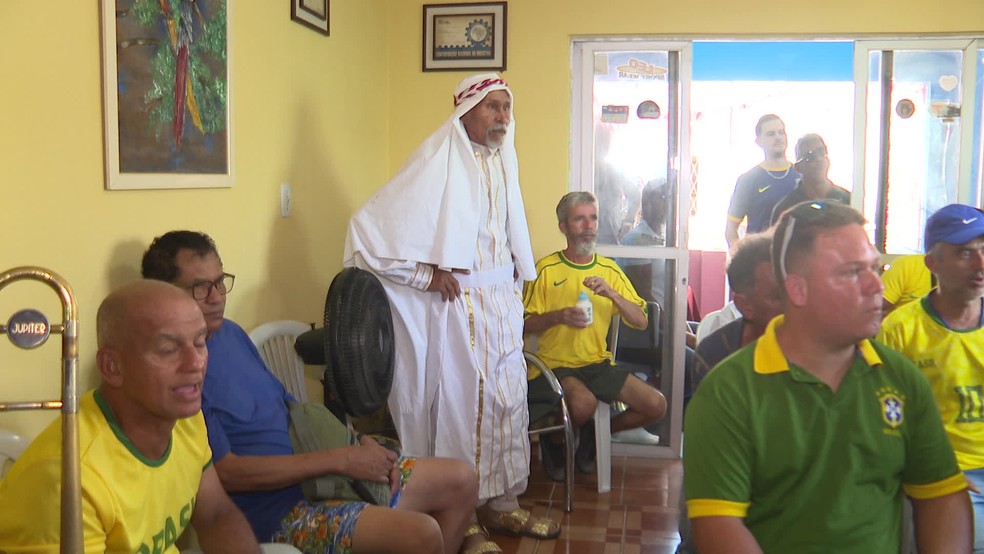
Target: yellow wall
[(332, 116), (307, 110), (539, 52)]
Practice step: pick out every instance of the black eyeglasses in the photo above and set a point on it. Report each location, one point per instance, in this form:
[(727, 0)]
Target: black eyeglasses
[(811, 155), (806, 210), (201, 289)]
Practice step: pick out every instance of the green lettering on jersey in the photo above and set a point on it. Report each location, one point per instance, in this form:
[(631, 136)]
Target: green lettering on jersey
[(144, 549), (185, 516), (971, 404), (170, 533)]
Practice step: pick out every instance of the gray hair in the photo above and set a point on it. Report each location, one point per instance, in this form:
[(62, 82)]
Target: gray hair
[(572, 199)]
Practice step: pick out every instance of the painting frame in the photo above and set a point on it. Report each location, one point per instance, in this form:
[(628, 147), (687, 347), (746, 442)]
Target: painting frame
[(481, 27), (208, 127), (314, 18)]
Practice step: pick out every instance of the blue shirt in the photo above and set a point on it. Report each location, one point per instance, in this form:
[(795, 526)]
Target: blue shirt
[(246, 413)]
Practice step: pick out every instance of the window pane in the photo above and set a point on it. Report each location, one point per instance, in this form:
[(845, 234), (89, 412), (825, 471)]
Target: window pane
[(923, 137), (630, 99)]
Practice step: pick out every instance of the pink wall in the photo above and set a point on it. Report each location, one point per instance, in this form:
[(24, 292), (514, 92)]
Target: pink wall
[(707, 278)]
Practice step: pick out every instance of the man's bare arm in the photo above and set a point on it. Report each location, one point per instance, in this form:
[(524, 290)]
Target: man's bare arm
[(723, 535), (369, 461), (731, 232), (220, 526), (944, 524)]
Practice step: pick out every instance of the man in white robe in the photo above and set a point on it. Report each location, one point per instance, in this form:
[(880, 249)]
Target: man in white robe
[(448, 238)]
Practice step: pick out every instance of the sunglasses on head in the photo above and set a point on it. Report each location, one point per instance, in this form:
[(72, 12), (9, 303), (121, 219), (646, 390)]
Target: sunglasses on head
[(811, 155), (805, 211)]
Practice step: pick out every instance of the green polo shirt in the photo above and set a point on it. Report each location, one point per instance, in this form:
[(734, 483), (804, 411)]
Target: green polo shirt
[(808, 469)]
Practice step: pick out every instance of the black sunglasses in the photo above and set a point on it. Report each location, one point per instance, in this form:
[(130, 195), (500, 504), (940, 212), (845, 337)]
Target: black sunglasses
[(811, 155)]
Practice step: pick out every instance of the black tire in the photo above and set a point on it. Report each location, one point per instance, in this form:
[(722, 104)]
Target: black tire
[(358, 341)]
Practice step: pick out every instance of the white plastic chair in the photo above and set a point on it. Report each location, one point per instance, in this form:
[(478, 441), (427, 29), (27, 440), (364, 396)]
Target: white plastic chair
[(11, 447), (275, 341)]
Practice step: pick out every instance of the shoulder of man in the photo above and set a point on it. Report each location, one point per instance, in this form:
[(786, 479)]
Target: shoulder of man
[(901, 318), (546, 262), (748, 178)]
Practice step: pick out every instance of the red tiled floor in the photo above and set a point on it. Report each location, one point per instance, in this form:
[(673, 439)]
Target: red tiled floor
[(638, 516)]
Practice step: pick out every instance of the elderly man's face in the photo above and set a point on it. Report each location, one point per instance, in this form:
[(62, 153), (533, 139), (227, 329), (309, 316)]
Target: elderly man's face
[(163, 359), (581, 228), (487, 122), (959, 268)]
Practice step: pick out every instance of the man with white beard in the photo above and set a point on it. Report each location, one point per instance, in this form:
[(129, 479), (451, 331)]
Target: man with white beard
[(573, 345), (448, 238)]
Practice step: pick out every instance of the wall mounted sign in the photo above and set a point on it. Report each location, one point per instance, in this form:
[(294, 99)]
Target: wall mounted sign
[(311, 13), (459, 37), (648, 110), (614, 114)]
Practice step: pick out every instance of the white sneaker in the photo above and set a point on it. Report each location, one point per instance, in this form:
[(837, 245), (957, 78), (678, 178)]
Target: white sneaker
[(639, 435)]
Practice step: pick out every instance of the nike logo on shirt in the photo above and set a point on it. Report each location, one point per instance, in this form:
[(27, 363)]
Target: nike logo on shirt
[(763, 189), (558, 283), (966, 221)]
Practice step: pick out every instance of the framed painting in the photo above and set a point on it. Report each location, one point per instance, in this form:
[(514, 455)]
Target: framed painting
[(459, 37), (311, 13), (166, 93)]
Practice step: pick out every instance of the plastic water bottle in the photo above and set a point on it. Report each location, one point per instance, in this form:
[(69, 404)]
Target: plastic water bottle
[(584, 303)]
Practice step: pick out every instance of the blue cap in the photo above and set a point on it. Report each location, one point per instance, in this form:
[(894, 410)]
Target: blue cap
[(954, 224)]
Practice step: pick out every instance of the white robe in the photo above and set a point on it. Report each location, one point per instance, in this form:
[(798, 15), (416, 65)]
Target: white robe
[(459, 386)]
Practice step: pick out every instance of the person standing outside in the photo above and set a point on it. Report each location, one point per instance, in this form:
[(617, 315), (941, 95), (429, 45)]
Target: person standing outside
[(760, 188), (942, 333), (448, 238), (813, 164)]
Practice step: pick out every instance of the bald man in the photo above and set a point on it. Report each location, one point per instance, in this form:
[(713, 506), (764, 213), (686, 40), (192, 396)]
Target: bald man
[(146, 465)]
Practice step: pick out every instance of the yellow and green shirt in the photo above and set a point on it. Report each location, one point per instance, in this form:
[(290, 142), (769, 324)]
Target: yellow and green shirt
[(129, 503), (558, 283), (810, 470), (953, 361)]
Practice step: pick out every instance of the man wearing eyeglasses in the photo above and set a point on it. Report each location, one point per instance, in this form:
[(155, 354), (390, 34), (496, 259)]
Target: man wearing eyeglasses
[(758, 190), (808, 439), (813, 164), (942, 333), (246, 415)]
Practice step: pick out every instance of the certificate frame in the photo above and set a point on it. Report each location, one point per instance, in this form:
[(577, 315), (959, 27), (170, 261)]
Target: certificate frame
[(313, 14), (460, 37)]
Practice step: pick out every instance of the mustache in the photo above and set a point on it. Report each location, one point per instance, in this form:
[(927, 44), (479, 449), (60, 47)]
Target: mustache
[(497, 127)]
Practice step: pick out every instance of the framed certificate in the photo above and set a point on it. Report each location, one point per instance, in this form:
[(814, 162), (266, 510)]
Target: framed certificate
[(460, 37)]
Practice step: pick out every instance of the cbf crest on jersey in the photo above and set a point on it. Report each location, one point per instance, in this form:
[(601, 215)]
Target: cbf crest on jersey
[(892, 405)]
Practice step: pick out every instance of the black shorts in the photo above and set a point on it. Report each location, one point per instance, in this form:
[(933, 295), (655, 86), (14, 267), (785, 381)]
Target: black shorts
[(604, 379)]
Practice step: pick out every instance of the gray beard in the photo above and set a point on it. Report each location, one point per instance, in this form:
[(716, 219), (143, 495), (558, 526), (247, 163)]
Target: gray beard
[(585, 248)]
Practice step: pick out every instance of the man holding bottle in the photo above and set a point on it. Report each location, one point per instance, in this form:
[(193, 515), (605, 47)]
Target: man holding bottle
[(573, 343)]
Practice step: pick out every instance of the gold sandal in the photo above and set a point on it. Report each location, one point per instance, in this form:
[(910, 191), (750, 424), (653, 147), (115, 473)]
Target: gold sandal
[(484, 547), (518, 523)]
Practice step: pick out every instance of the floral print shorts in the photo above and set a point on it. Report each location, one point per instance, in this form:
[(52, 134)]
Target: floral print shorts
[(328, 526)]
